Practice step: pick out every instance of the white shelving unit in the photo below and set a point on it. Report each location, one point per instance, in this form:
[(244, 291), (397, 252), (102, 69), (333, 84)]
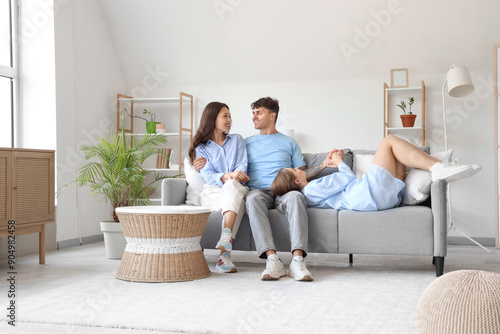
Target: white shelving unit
[(393, 126), (183, 131)]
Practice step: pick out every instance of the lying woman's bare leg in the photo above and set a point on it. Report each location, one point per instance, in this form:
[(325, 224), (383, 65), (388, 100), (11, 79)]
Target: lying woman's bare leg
[(394, 154)]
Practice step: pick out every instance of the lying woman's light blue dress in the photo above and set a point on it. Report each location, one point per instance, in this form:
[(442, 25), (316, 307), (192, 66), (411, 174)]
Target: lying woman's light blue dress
[(377, 190)]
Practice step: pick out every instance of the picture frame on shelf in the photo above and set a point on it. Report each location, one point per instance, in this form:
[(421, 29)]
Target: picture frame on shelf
[(128, 122), (399, 77)]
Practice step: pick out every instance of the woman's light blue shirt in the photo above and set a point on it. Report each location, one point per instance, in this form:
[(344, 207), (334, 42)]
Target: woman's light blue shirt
[(230, 157), (377, 190)]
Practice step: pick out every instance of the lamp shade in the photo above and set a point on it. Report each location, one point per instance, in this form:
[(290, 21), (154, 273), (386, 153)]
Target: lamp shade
[(459, 81)]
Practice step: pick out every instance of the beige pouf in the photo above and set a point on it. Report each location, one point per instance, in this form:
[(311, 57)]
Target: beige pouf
[(464, 301)]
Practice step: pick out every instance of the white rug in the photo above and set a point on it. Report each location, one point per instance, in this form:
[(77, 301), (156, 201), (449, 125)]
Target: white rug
[(340, 300)]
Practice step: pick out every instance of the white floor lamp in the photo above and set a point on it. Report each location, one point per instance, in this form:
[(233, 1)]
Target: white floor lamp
[(459, 85)]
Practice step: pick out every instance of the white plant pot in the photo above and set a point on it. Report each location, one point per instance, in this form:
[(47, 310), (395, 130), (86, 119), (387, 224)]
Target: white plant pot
[(114, 240)]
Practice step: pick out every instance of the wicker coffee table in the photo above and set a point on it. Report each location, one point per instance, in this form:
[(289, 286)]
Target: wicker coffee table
[(163, 243)]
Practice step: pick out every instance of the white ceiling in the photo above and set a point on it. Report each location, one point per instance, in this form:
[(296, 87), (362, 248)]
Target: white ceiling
[(295, 40)]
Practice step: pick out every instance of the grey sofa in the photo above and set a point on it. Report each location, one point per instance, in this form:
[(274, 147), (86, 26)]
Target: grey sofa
[(418, 230)]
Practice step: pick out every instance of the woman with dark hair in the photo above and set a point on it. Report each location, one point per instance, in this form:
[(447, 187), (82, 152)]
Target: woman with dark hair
[(225, 172)]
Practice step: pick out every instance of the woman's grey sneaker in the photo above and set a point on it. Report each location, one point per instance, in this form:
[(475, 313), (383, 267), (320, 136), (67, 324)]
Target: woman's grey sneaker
[(298, 270), (274, 269)]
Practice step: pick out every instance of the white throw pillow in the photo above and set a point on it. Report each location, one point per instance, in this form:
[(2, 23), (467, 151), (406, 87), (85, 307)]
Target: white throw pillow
[(418, 182), (363, 162), (195, 183)]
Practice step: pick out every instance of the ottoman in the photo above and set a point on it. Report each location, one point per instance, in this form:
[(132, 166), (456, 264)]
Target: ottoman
[(461, 302)]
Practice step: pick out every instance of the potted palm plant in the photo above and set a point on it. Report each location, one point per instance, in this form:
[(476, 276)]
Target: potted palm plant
[(116, 174), (408, 118)]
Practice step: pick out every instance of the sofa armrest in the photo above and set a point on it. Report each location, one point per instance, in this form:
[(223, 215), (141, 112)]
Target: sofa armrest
[(440, 214), (173, 191)]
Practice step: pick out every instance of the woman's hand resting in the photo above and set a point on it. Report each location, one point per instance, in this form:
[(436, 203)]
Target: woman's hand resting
[(238, 176), (199, 163)]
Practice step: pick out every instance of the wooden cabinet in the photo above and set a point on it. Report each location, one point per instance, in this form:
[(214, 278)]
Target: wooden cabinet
[(392, 121), (27, 191)]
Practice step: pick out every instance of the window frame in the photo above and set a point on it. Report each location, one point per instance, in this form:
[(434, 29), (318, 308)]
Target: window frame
[(12, 72)]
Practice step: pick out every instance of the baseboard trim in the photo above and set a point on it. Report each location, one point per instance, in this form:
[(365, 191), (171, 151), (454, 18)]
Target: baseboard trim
[(99, 237), (92, 239), (68, 243), (76, 241), (464, 241)]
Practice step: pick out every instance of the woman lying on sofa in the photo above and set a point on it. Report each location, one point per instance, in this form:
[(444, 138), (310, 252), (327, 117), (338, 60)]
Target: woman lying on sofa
[(380, 189), (224, 173)]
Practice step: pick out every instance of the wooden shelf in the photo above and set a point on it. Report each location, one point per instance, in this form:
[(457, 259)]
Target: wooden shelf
[(402, 91), (160, 133), (413, 129), (172, 168), (154, 99), (183, 131), (413, 133)]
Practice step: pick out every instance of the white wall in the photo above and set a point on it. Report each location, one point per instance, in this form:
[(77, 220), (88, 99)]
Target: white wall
[(88, 77), (326, 61)]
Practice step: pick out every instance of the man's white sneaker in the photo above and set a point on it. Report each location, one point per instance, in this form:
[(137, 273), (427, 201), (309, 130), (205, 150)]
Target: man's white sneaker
[(274, 269), (451, 171), (298, 270)]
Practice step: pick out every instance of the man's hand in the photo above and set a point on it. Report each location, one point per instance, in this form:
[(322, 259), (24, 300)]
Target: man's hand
[(328, 160), (199, 163), (335, 159), (339, 152), (238, 176)]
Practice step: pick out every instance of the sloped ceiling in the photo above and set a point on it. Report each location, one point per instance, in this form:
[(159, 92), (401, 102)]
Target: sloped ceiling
[(233, 41)]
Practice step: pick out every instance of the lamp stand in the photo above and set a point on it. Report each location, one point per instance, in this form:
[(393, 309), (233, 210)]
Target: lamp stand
[(451, 226)]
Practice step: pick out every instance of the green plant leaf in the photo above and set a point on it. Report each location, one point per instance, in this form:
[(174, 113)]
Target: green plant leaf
[(114, 169)]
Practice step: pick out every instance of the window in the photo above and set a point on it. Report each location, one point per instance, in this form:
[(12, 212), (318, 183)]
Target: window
[(6, 112), (8, 71)]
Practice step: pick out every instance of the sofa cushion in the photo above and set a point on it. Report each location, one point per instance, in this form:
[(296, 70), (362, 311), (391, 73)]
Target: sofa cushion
[(211, 234), (195, 183), (322, 231), (404, 231), (363, 162), (418, 181), (314, 159)]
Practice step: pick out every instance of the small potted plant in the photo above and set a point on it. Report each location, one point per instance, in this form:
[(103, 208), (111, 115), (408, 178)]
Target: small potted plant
[(408, 118), (151, 123)]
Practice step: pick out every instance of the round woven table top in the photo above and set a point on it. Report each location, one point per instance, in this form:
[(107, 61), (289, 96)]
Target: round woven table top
[(164, 209)]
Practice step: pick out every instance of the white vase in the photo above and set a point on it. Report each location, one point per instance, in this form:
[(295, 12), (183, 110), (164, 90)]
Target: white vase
[(114, 240)]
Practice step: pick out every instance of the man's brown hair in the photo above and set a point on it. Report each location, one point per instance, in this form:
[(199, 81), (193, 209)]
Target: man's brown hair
[(269, 103)]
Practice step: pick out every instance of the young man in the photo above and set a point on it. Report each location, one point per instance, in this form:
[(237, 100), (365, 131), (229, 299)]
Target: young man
[(268, 152)]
